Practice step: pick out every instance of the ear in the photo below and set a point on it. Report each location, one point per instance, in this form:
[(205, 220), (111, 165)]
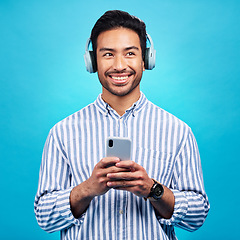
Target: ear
[(143, 66)]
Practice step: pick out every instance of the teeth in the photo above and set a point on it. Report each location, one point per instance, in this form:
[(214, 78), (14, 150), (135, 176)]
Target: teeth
[(119, 78)]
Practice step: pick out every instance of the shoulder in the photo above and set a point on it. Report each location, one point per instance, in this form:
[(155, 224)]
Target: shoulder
[(164, 117), (69, 124)]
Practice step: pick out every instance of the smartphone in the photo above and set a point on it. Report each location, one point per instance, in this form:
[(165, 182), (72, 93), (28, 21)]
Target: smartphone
[(119, 147)]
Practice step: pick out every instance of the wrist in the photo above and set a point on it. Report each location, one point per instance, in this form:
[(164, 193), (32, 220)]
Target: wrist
[(156, 191), (79, 200), (81, 192)]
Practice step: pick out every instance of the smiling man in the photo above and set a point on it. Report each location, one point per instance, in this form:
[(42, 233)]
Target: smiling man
[(120, 67), (87, 195)]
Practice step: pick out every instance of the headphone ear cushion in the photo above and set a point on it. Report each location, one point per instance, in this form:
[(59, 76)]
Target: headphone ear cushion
[(146, 60), (90, 62), (150, 58)]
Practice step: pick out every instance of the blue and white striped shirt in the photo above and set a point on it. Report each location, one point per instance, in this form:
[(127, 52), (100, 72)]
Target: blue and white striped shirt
[(161, 143)]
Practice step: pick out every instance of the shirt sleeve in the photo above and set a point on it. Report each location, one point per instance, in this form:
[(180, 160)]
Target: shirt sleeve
[(191, 202), (52, 204)]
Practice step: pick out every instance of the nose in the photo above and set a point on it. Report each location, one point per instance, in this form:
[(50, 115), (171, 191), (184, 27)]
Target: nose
[(119, 63)]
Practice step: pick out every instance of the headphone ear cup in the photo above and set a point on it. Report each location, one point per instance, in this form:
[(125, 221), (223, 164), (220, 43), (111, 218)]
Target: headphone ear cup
[(150, 58), (150, 55), (89, 58), (90, 61)]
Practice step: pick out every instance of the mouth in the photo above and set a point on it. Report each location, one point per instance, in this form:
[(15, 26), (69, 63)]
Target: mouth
[(120, 78)]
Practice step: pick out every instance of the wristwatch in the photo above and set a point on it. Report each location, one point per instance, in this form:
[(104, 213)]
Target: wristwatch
[(156, 191)]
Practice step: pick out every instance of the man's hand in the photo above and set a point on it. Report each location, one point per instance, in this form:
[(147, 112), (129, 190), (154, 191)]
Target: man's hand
[(136, 180), (110, 173), (96, 185)]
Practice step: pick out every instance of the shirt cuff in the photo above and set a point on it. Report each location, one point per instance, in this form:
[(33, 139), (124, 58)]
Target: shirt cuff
[(180, 209), (64, 209)]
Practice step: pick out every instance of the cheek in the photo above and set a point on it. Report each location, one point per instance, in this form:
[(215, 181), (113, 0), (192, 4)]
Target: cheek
[(103, 66), (139, 65)]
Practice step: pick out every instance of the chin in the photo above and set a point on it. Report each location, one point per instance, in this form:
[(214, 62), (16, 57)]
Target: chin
[(122, 92)]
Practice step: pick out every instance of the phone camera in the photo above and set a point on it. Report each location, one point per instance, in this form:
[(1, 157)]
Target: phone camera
[(110, 143)]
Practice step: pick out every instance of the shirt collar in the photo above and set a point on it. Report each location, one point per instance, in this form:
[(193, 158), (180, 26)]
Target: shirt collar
[(106, 109)]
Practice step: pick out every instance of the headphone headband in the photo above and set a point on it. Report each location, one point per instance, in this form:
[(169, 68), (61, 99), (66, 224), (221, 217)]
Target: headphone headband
[(149, 62)]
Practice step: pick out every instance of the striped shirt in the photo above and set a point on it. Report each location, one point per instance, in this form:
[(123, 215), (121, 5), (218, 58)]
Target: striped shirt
[(161, 143)]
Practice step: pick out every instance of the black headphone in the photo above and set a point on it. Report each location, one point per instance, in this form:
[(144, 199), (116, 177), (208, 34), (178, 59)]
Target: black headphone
[(149, 62)]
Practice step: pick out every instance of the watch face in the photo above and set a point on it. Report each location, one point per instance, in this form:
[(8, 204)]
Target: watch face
[(158, 191)]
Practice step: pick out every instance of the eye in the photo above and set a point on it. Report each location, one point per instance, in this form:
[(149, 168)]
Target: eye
[(108, 54), (130, 54)]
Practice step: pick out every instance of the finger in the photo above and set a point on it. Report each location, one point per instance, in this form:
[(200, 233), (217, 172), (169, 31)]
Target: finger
[(132, 186), (103, 172), (126, 175), (122, 184), (107, 161), (128, 164), (113, 170)]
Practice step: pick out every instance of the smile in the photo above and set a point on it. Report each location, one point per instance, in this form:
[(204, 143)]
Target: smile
[(119, 78)]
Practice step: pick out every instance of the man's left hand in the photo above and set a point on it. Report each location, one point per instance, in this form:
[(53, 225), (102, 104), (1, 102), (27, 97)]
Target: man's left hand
[(136, 180)]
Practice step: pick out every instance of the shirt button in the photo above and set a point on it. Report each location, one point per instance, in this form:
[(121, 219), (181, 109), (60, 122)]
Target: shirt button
[(120, 211)]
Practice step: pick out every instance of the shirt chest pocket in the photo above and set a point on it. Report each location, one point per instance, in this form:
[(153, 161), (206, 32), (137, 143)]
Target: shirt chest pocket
[(159, 165)]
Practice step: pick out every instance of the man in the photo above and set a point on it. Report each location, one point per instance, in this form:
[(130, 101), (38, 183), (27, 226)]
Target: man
[(86, 195)]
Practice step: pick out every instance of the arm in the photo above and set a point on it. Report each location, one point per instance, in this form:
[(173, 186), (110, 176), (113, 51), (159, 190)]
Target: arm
[(96, 185), (51, 206), (185, 204), (139, 183), (191, 202), (58, 205)]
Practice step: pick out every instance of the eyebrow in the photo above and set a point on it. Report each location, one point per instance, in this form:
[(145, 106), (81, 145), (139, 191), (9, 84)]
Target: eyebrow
[(132, 47), (112, 50), (106, 50)]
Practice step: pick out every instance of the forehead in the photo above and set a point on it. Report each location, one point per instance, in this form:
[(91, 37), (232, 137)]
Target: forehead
[(118, 38)]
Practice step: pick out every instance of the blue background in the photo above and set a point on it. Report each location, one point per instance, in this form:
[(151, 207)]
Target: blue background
[(43, 80)]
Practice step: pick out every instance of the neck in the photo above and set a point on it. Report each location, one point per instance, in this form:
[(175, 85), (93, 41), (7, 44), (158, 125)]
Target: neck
[(121, 103)]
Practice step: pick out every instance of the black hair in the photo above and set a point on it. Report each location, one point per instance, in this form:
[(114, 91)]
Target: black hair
[(115, 19)]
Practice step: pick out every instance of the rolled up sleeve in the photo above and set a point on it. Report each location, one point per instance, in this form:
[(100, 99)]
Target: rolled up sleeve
[(52, 201), (191, 202)]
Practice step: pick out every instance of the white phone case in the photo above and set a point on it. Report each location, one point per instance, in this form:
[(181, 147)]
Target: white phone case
[(118, 147)]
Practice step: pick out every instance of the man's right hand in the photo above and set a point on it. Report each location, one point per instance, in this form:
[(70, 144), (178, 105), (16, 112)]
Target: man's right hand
[(96, 185)]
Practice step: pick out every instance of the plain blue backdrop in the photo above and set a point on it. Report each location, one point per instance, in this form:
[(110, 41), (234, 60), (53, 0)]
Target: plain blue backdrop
[(43, 80)]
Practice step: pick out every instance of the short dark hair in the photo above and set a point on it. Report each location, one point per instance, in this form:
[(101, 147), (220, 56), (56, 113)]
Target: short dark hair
[(115, 19)]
